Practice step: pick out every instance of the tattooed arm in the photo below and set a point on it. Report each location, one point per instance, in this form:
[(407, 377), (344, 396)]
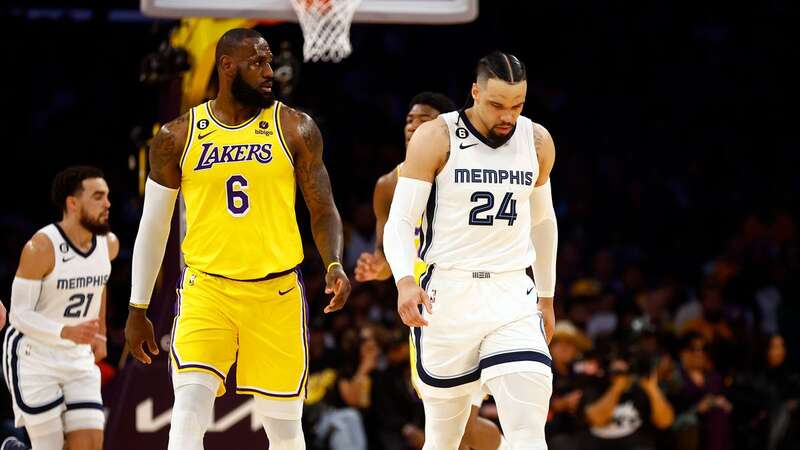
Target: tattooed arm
[(161, 191), (165, 152), (305, 143)]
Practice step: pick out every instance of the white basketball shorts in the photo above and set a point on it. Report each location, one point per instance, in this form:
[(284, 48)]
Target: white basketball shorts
[(483, 325), (46, 382)]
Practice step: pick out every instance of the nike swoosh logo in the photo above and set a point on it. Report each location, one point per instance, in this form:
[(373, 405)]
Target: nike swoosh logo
[(203, 136), (529, 291), (462, 146), (67, 259), (285, 292)]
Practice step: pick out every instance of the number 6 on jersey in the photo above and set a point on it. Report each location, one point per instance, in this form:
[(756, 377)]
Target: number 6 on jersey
[(238, 202)]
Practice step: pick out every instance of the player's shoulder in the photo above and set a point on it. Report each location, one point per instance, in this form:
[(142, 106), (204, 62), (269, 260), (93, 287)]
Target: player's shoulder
[(113, 245), (176, 130), (300, 130), (38, 257), (294, 119), (542, 138), (39, 244), (389, 179), (433, 131)]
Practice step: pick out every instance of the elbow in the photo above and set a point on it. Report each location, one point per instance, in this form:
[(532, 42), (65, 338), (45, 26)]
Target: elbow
[(350, 395)]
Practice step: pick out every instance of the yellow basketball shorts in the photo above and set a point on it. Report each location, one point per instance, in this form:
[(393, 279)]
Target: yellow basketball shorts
[(260, 325)]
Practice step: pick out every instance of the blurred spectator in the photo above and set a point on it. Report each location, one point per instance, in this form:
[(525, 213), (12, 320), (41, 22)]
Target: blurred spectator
[(703, 409), (396, 420), (338, 387), (778, 389), (564, 422), (623, 409), (710, 324)]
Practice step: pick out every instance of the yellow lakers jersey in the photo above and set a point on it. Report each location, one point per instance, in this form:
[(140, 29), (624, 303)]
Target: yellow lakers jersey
[(238, 184)]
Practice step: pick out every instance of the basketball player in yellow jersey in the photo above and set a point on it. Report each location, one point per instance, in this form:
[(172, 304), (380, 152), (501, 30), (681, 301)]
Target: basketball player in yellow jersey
[(241, 298), (480, 433)]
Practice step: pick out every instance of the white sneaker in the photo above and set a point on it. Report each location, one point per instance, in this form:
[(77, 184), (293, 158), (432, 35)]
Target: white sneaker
[(12, 443)]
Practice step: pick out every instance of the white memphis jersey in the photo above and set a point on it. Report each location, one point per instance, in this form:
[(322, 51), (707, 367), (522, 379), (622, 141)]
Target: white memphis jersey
[(73, 292), (478, 213)]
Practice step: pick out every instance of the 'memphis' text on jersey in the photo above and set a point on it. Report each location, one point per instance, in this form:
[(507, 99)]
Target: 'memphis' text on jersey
[(82, 282), (492, 176)]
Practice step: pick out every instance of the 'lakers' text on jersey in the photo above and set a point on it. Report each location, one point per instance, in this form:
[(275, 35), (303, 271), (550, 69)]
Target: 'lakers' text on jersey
[(239, 187), (73, 292), (478, 212)]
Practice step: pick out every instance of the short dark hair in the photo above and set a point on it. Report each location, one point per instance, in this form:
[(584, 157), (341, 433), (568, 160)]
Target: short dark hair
[(70, 182), (435, 100), (231, 40), (503, 66)]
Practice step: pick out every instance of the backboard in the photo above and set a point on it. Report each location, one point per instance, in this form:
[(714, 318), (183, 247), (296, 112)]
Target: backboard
[(370, 11)]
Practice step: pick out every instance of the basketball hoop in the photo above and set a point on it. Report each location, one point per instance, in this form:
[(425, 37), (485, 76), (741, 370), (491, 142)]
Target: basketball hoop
[(326, 28)]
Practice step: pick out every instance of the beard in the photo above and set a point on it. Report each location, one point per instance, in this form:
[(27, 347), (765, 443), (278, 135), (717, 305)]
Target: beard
[(499, 139), (249, 96), (95, 225)]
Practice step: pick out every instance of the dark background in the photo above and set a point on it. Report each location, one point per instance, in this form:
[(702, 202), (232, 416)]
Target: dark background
[(674, 125)]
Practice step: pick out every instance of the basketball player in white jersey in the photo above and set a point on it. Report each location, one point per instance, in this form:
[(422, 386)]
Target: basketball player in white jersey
[(57, 319), (480, 179), (480, 433)]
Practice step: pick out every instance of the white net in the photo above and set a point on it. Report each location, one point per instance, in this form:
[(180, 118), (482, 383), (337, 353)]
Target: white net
[(326, 28)]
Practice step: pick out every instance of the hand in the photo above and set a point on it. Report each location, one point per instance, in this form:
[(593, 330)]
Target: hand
[(138, 330), (621, 383), (414, 436), (571, 401), (99, 348), (369, 356), (649, 383), (549, 317), (372, 266), (2, 315), (723, 403), (409, 296), (336, 283), (83, 333), (705, 404)]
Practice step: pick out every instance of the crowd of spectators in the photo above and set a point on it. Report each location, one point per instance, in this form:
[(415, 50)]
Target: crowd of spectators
[(674, 187)]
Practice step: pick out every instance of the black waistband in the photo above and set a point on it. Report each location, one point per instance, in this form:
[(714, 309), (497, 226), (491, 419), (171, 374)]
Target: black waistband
[(271, 276)]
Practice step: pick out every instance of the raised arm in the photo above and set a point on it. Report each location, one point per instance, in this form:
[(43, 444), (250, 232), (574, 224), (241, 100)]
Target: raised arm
[(544, 229), (305, 143), (161, 190), (426, 155)]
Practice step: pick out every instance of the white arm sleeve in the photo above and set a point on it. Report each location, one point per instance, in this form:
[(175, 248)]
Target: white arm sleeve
[(410, 197), (24, 295), (151, 240), (544, 235)]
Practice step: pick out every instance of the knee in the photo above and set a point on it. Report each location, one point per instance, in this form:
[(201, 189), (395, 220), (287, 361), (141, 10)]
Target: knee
[(186, 421), (85, 440), (470, 431), (526, 435), (284, 434)]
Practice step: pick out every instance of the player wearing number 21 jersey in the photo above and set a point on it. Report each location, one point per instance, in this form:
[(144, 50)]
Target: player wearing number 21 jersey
[(57, 319)]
